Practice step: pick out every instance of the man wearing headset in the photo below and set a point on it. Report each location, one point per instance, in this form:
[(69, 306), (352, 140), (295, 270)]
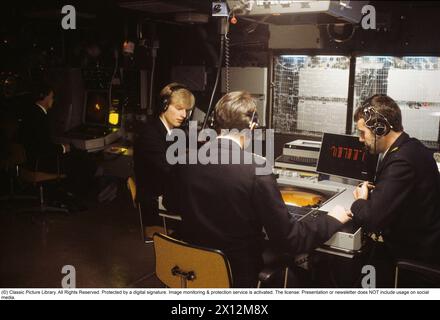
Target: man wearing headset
[(225, 204), (403, 203), (150, 164)]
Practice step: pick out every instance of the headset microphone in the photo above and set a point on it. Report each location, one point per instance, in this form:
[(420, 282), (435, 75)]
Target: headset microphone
[(253, 124)]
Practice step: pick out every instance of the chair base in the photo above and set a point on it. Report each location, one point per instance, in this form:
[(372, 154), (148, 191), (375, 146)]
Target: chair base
[(267, 273)]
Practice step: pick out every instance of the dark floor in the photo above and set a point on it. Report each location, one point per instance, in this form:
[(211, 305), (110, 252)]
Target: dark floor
[(103, 243)]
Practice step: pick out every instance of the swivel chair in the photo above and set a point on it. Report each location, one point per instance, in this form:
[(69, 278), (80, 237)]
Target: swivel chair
[(16, 157), (39, 179), (132, 188), (183, 265), (413, 274)]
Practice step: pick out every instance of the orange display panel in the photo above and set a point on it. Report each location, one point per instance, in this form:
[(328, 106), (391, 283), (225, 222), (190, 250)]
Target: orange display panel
[(301, 198)]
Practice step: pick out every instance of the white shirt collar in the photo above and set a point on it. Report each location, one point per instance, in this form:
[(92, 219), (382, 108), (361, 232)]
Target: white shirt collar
[(380, 159), (232, 138), (382, 155), (165, 124), (42, 108)]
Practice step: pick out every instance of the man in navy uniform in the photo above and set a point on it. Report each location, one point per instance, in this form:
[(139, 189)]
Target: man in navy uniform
[(150, 165), (225, 206), (403, 203)]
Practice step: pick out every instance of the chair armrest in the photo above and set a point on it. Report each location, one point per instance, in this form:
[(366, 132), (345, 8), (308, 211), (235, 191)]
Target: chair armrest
[(422, 268), (417, 274)]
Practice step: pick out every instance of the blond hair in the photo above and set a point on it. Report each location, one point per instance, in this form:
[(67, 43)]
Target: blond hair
[(176, 93)]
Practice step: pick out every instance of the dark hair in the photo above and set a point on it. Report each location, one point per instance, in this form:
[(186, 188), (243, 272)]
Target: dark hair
[(385, 106), (40, 90), (234, 111)]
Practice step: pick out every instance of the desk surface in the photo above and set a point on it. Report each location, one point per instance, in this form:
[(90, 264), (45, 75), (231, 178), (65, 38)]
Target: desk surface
[(341, 194), (344, 198), (119, 149)]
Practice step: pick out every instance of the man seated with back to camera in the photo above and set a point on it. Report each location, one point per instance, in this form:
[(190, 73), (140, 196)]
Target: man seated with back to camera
[(226, 206), (43, 154), (150, 165), (403, 203)]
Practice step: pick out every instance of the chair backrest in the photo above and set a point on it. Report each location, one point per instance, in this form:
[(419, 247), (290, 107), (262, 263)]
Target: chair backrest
[(182, 265), (36, 176), (413, 274), (131, 185), (15, 156)]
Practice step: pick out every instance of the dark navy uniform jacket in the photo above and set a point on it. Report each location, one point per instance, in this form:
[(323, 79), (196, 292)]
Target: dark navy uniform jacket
[(405, 204)]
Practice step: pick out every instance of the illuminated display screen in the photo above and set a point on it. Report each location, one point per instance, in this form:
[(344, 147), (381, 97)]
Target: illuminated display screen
[(96, 108), (302, 94), (301, 197), (345, 156)]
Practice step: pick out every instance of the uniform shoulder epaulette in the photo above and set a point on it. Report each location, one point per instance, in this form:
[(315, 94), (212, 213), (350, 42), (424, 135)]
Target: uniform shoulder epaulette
[(394, 149)]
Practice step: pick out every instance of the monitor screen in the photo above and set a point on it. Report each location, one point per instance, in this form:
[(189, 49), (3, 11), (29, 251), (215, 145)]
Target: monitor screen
[(345, 156), (96, 108)]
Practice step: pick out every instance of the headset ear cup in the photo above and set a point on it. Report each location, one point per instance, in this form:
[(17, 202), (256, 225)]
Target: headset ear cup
[(381, 129), (167, 98), (164, 105)]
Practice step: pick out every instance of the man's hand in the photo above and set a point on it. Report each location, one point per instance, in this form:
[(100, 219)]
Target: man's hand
[(361, 192), (341, 214)]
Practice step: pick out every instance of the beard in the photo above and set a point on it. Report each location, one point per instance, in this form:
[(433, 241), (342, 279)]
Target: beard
[(370, 149)]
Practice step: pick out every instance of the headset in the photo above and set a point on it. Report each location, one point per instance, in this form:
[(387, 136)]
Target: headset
[(253, 124), (375, 121), (166, 99)]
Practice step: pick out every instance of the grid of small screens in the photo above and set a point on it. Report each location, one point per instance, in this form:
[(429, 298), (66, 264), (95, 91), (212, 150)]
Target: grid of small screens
[(413, 82), (96, 108), (345, 156), (310, 94)]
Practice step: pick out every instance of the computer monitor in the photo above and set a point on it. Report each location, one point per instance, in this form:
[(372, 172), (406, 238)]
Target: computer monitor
[(344, 156), (96, 108)]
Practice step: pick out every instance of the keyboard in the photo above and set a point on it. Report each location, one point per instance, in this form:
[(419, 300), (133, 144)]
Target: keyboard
[(298, 213)]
